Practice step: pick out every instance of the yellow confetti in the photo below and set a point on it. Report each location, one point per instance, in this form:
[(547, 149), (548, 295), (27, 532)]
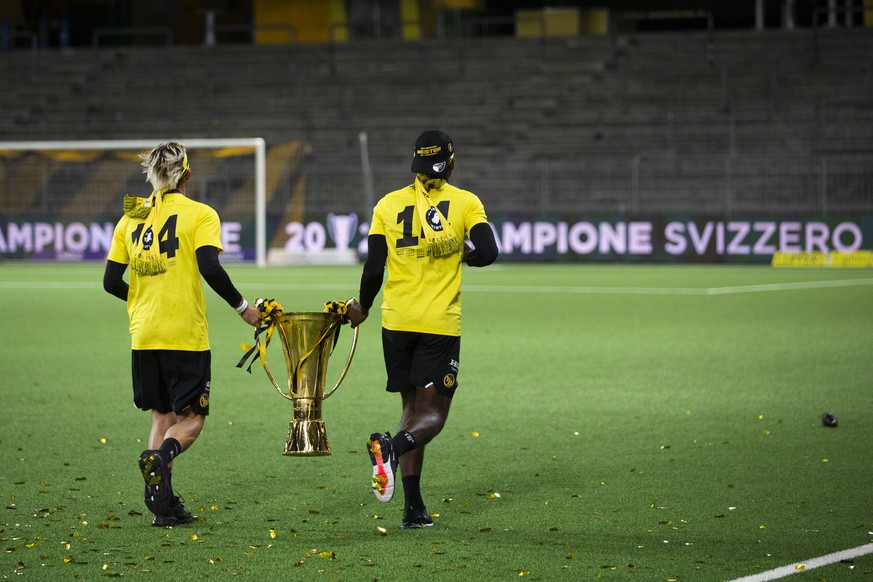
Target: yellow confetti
[(474, 434), (493, 495), (272, 533), (382, 531), (102, 440), (825, 460), (67, 559), (193, 537), (760, 417), (766, 433), (214, 508), (762, 526), (105, 566), (800, 567), (524, 573)]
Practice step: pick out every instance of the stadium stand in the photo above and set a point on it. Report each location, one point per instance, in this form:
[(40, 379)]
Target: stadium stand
[(693, 121)]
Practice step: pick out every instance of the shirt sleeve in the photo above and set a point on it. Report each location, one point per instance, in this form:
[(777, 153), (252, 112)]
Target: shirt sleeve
[(118, 248), (208, 232)]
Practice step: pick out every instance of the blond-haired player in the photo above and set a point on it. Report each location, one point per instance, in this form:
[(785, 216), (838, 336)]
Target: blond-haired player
[(169, 242)]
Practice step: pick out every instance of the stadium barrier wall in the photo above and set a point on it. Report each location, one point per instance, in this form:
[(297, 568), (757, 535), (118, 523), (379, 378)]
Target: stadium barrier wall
[(332, 238)]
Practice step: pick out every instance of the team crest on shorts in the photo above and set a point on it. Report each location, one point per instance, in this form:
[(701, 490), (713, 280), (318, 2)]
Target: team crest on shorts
[(204, 400), (449, 380)]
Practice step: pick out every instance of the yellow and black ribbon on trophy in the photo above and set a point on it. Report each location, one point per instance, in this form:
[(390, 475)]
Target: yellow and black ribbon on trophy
[(271, 311)]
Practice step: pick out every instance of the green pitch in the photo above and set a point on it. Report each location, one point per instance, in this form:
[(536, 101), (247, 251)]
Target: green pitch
[(615, 422)]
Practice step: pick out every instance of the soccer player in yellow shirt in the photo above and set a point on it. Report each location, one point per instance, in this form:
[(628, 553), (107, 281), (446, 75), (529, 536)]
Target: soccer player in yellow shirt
[(419, 232), (169, 241)]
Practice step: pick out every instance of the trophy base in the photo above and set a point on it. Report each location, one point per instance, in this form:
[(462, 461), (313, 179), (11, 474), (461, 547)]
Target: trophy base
[(306, 438)]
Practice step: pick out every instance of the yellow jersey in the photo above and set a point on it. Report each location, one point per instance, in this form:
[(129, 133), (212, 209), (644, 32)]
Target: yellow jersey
[(423, 292), (168, 311)]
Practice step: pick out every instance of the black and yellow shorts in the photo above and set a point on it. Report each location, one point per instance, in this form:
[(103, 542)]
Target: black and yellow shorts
[(421, 359), (171, 380)]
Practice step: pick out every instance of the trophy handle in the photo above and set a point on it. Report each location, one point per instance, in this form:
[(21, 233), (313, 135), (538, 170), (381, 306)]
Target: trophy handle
[(270, 374), (346, 368), (290, 395)]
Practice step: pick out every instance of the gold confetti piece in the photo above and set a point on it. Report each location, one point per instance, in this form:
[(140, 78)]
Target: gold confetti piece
[(382, 531), (272, 533), (193, 537), (664, 447), (67, 559), (766, 433), (800, 567), (102, 440), (474, 434), (493, 495), (825, 460), (760, 417), (524, 573), (214, 508), (762, 526), (434, 514)]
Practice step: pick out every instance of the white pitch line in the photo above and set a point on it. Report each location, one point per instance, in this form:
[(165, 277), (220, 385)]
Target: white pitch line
[(788, 286), (668, 290), (784, 571)]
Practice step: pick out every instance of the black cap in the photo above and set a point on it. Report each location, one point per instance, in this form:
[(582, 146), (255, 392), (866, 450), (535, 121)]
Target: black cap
[(433, 151)]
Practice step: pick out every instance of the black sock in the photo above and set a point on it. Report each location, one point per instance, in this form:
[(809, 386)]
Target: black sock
[(412, 492), (173, 499), (170, 449), (402, 442)]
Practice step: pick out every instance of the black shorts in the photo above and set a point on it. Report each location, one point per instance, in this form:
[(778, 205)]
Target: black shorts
[(421, 359), (171, 380)]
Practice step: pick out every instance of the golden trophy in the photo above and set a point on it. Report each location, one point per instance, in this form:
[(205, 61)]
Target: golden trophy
[(308, 340)]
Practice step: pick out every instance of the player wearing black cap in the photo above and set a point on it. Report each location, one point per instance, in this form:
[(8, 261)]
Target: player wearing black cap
[(419, 232)]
